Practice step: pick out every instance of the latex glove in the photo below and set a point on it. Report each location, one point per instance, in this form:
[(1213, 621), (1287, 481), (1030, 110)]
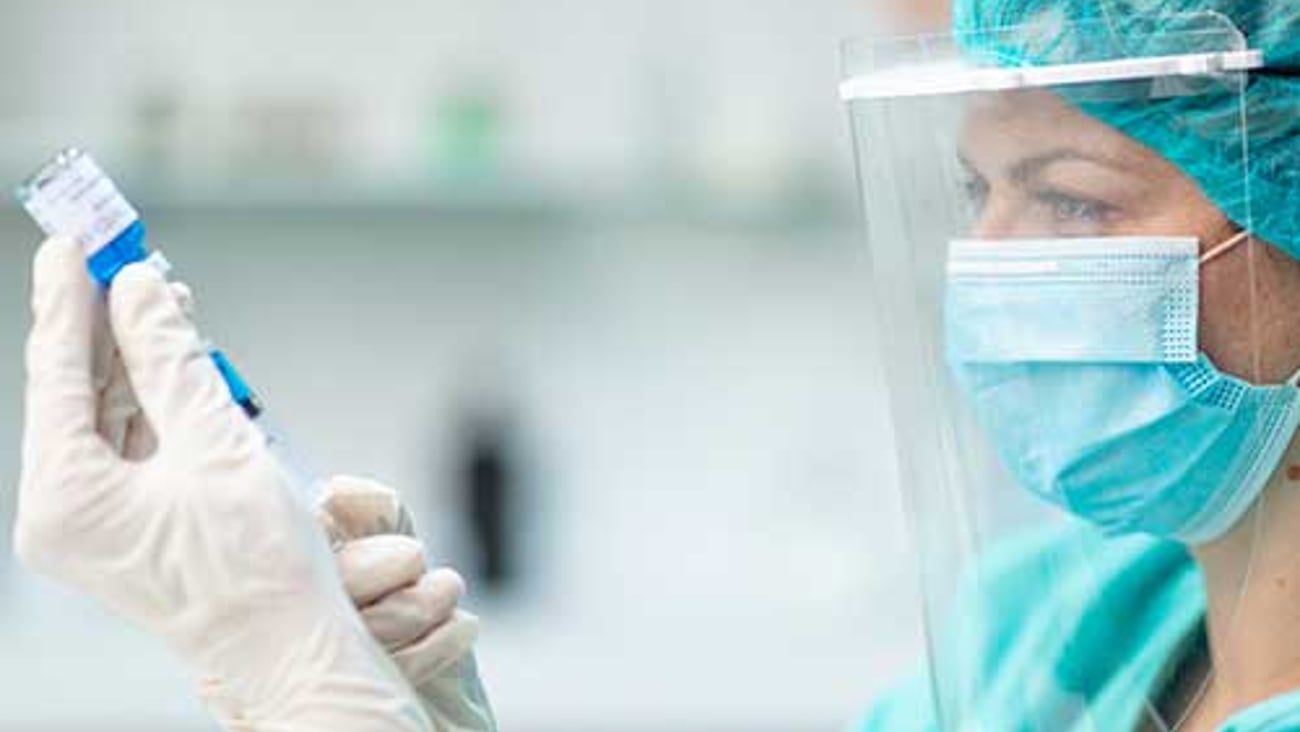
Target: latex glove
[(120, 421), (199, 539), (412, 611)]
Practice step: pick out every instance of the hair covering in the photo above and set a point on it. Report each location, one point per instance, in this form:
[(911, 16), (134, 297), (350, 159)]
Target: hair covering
[(1200, 133)]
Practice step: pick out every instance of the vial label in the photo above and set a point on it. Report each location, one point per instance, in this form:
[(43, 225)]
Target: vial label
[(73, 197)]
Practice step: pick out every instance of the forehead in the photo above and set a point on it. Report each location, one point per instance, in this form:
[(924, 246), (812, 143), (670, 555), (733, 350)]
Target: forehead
[(1000, 128)]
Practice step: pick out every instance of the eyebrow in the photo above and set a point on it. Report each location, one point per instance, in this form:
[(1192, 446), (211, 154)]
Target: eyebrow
[(1030, 168)]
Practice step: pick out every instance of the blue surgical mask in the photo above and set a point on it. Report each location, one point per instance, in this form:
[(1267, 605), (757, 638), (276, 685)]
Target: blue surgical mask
[(1079, 358)]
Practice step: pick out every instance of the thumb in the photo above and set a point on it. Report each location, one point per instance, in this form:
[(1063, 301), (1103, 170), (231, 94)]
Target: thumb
[(60, 383), (66, 464), (354, 508)]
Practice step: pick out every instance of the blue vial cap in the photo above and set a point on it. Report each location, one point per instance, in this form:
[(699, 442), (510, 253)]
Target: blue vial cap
[(127, 248)]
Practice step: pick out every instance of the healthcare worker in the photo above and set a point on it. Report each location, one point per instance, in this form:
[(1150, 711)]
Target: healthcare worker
[(146, 487), (1084, 220)]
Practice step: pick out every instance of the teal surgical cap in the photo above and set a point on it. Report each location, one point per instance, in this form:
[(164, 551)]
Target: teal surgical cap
[(1202, 134)]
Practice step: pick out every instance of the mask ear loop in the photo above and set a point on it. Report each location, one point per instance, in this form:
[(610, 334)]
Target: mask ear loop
[(1225, 247)]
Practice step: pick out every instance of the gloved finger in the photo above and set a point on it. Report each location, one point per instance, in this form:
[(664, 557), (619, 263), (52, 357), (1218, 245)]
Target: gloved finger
[(67, 468), (141, 442), (170, 369), (358, 507), (121, 421), (61, 399), (103, 349), (426, 660), (407, 615), (118, 406), (184, 298), (379, 565)]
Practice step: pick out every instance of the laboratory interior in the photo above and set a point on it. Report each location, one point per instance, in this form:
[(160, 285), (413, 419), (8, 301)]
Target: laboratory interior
[(584, 279)]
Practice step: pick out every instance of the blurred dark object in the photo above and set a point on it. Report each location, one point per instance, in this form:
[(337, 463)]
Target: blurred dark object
[(489, 485)]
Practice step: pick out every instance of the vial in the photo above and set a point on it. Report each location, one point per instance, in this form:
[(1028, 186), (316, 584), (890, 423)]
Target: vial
[(71, 196)]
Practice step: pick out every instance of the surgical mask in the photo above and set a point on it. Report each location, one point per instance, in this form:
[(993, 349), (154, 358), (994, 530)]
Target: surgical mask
[(1079, 358)]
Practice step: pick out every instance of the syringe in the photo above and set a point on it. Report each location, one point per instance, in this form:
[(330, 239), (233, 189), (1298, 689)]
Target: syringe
[(72, 196)]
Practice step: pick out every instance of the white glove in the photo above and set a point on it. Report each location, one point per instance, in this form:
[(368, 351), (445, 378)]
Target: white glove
[(195, 536), (410, 610)]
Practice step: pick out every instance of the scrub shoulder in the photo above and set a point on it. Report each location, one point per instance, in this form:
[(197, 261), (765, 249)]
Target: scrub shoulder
[(1102, 622)]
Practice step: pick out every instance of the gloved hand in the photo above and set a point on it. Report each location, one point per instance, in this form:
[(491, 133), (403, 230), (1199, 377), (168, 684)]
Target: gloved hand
[(411, 610), (196, 535)]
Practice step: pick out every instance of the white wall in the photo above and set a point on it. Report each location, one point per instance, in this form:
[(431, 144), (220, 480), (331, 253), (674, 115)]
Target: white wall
[(594, 93)]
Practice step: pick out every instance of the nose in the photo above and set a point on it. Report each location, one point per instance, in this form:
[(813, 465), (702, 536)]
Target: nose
[(1002, 217)]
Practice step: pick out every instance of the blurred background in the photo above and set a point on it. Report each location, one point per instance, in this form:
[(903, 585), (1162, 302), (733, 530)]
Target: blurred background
[(583, 278)]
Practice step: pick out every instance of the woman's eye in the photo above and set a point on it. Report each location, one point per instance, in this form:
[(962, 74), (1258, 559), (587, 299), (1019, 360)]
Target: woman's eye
[(977, 192), (1066, 208)]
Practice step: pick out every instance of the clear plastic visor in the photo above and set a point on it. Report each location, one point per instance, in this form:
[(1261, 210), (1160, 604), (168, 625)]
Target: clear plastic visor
[(1087, 382)]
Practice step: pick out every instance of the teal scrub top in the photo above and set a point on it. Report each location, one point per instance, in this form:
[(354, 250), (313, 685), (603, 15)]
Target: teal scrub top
[(1115, 628)]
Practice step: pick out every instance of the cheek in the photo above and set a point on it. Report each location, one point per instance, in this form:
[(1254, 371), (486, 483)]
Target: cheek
[(1250, 314), (1225, 331), (1279, 314)]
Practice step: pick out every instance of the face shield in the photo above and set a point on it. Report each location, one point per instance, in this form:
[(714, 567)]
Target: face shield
[(1082, 380)]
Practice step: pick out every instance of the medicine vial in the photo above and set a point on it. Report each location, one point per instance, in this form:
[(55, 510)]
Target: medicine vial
[(71, 196)]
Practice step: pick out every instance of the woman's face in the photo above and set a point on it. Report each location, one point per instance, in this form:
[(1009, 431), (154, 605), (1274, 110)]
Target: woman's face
[(1038, 167)]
